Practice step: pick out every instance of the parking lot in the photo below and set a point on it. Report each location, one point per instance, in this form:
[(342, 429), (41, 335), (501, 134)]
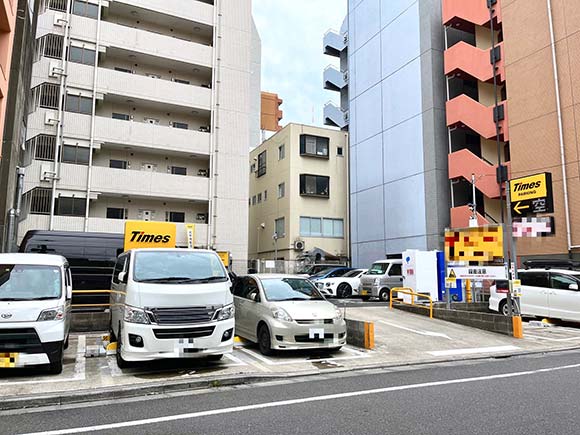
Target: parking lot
[(401, 338)]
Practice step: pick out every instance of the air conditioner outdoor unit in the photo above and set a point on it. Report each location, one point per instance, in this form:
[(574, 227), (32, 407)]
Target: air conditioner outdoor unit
[(299, 245)]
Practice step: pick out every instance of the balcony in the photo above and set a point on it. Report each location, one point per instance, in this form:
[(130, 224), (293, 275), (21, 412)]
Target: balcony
[(465, 59), (334, 80), (334, 43), (102, 225), (149, 184), (72, 177), (334, 116), (146, 136), (198, 12), (464, 111), (131, 39), (464, 163), (463, 14), (460, 217)]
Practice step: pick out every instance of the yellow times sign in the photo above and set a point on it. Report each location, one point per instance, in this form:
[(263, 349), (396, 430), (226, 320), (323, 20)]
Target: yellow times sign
[(140, 234), (532, 187), (225, 257)]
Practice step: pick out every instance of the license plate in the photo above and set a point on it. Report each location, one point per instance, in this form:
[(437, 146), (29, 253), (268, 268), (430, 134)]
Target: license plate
[(316, 333), (364, 292), (8, 360)]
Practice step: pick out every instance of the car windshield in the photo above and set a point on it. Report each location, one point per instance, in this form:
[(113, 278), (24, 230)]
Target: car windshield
[(178, 267), (352, 273), (290, 289), (29, 282), (378, 269), (321, 273)]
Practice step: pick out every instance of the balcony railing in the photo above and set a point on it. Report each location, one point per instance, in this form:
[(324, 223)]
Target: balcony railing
[(463, 14), (196, 11), (334, 79), (334, 43), (464, 58), (464, 111), (334, 116)]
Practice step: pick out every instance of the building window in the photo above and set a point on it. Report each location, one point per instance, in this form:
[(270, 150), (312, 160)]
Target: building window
[(70, 206), (85, 9), (252, 168), (82, 55), (321, 227), (281, 190), (51, 45), (175, 216), (46, 95), (181, 125), (280, 227), (122, 116), (339, 151), (40, 199), (75, 154), (281, 152), (261, 164), (42, 147), (118, 164), (259, 198), (265, 195), (254, 200), (178, 170), (116, 213), (314, 146), (314, 185), (78, 104)]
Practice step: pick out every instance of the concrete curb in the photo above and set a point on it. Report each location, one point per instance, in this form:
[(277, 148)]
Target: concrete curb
[(164, 387)]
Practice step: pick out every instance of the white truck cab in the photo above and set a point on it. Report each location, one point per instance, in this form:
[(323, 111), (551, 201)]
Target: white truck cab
[(381, 277), (171, 303), (35, 305)]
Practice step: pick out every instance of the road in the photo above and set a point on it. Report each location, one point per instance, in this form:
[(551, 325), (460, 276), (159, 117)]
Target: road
[(518, 395)]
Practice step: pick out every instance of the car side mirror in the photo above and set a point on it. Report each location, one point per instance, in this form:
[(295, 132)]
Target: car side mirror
[(573, 287), (122, 277)]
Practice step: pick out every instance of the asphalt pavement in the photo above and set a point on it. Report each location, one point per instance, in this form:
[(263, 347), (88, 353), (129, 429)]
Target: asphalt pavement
[(517, 395)]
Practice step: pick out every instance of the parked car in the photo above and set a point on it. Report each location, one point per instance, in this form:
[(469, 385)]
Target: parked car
[(381, 277), (316, 268), (331, 273), (342, 286), (286, 312), (550, 293), (171, 303), (35, 305)]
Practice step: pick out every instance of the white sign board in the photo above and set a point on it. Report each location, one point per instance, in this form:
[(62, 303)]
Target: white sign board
[(270, 264), (477, 272)]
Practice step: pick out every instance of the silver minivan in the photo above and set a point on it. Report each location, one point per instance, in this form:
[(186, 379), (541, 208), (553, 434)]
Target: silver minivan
[(286, 312), (381, 277)]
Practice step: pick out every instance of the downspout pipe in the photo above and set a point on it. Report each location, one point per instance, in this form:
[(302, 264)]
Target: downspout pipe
[(560, 129)]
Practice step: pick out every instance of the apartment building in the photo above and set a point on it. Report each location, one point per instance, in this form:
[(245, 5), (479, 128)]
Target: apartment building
[(143, 109), (298, 194), (8, 10), (391, 61), (475, 58)]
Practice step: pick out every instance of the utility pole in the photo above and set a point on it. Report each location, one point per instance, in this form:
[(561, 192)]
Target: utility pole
[(473, 219)]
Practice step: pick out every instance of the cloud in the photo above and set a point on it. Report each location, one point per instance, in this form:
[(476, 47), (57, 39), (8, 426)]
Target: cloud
[(292, 58)]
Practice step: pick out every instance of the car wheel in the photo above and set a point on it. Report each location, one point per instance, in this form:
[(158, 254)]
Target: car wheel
[(503, 308), (55, 367), (344, 290), (264, 340), (384, 295), (120, 361)]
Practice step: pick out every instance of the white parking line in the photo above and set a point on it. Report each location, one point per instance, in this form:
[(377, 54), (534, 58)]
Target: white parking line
[(79, 369), (476, 350), (427, 333), (357, 355), (291, 402), (538, 337)]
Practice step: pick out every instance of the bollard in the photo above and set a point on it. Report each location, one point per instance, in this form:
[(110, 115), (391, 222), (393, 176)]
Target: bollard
[(518, 327)]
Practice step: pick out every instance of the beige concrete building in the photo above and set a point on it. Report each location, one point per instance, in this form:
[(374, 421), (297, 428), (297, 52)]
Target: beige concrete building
[(298, 194), (143, 109)]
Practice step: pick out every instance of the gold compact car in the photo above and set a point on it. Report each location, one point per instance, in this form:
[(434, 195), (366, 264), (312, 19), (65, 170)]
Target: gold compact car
[(281, 312)]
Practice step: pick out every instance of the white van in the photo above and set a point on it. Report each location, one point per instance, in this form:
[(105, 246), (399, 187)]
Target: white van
[(381, 277), (35, 305), (171, 303), (550, 293)]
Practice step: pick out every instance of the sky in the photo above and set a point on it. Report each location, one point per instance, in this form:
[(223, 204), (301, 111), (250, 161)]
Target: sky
[(292, 58)]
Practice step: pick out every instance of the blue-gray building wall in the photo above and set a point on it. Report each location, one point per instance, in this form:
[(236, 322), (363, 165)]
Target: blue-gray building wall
[(399, 192)]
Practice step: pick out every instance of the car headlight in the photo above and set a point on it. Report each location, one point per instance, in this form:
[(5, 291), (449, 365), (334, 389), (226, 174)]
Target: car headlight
[(51, 314), (338, 314), (377, 281), (225, 313), (281, 314), (135, 315)]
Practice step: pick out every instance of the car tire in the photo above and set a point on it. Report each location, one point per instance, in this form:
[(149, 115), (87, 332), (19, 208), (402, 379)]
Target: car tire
[(55, 367), (503, 308), (214, 358), (344, 290), (265, 341), (384, 295), (66, 343), (123, 364)]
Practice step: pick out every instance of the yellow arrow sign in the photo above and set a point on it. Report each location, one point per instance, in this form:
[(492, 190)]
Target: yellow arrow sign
[(519, 207)]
